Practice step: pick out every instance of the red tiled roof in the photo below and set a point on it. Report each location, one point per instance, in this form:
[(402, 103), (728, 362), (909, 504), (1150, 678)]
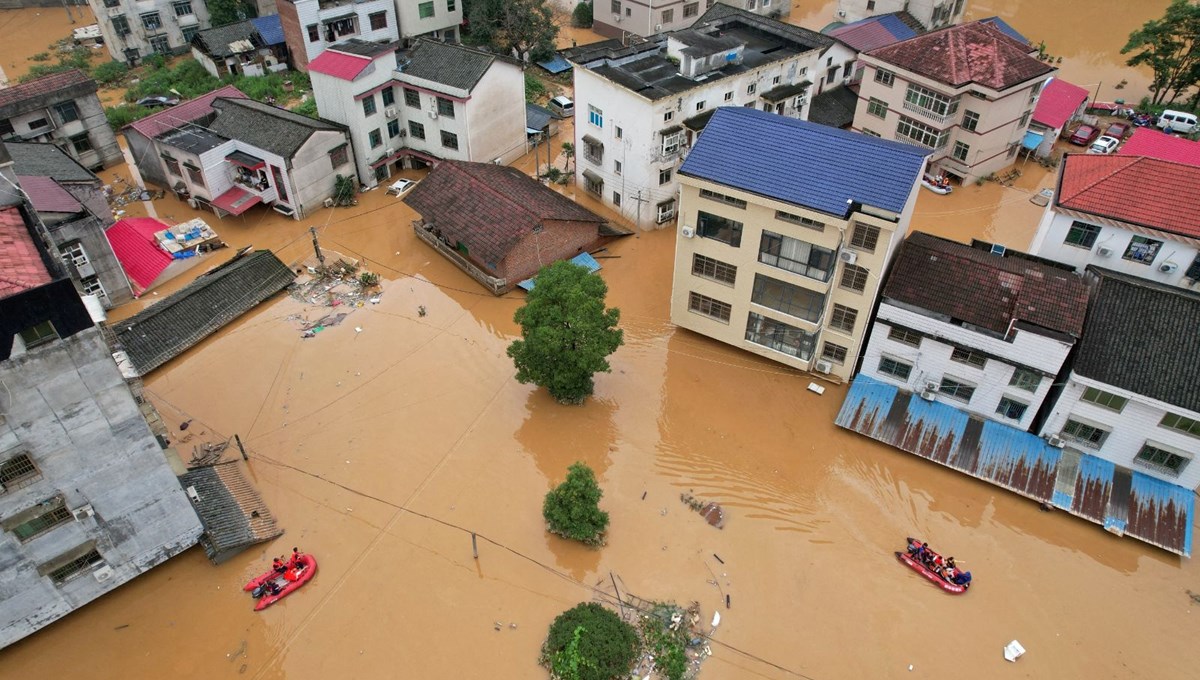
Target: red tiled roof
[(339, 64), (1058, 102), (47, 196), (1155, 144), (132, 240), (490, 206), (186, 112), (21, 266), (44, 85), (988, 290), (968, 53), (1135, 189)]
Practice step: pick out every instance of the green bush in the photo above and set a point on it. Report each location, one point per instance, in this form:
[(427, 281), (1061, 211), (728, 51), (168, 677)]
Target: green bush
[(572, 509), (343, 190), (120, 116), (307, 108), (534, 87), (582, 16), (667, 645), (156, 62), (110, 72), (188, 78), (40, 56), (589, 642)]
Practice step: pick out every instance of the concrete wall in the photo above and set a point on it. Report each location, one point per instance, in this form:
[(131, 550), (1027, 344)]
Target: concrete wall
[(557, 241), (647, 17), (102, 262), (297, 15), (336, 101), (91, 120), (444, 21), (1137, 424), (849, 11), (145, 156), (312, 172), (69, 410), (495, 115), (172, 25)]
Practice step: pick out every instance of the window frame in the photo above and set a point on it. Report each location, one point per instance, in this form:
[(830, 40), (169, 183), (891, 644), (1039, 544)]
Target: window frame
[(709, 307), (851, 274), (449, 137), (788, 298), (371, 18), (1104, 400), (843, 318), (970, 121), (835, 353), (69, 104), (368, 105), (1192, 429), (718, 223), (445, 107), (885, 77), (1007, 404), (865, 237), (954, 388), (45, 333), (877, 107), (1150, 246), (1083, 433), (893, 368), (771, 249), (375, 138), (425, 10), (968, 357), (18, 471), (960, 151), (1143, 458), (412, 98), (1020, 380), (1081, 231), (713, 269)]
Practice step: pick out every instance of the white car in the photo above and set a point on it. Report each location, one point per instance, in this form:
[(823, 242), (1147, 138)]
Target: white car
[(1105, 144), (400, 186)]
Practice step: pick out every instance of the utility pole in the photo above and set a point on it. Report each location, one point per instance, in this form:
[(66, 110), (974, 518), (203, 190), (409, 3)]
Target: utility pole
[(67, 6), (639, 200), (317, 246)]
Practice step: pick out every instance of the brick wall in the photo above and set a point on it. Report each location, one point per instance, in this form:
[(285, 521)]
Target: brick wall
[(557, 241), (294, 34)]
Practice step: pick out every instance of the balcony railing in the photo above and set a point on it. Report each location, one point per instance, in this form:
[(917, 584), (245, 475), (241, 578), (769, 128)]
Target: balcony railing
[(931, 115)]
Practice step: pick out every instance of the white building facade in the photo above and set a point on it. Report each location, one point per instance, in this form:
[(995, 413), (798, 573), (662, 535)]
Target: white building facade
[(436, 19), (931, 13), (310, 26), (135, 29)]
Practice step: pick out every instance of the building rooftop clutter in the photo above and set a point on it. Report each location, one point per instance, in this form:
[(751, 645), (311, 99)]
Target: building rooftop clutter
[(168, 328), (46, 85), (47, 160), (878, 31), (1140, 336), (233, 513), (230, 39), (48, 196), (1155, 144), (21, 265), (759, 152), (1135, 189), (185, 112), (975, 53), (267, 127), (1058, 101), (451, 65), (495, 205), (987, 290), (725, 41)]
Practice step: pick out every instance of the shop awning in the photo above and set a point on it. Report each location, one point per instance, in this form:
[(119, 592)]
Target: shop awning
[(784, 91), (588, 139), (1032, 140), (593, 176), (245, 160), (236, 201)]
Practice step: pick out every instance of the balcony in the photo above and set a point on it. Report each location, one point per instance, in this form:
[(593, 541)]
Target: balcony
[(931, 115)]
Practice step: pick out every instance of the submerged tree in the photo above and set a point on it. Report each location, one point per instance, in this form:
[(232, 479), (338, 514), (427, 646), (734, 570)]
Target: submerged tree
[(520, 25), (567, 333), (1170, 46), (222, 12), (589, 642), (572, 509)]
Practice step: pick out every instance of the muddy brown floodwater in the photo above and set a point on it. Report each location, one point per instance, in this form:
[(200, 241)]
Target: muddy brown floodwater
[(380, 450)]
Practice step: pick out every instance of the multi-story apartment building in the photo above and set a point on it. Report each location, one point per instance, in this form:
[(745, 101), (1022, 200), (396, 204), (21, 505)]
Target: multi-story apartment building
[(1131, 214), (63, 109), (436, 19), (787, 263), (434, 101), (617, 18), (638, 106), (135, 29), (970, 104), (310, 26), (932, 14), (1132, 396), (991, 343)]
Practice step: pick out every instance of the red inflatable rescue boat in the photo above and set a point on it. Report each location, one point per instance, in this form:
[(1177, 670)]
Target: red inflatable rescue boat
[(306, 568), (956, 581)]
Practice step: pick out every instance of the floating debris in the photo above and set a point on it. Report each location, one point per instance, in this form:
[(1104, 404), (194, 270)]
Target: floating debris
[(711, 511)]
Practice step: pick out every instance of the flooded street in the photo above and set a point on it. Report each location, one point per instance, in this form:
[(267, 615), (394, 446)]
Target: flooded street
[(381, 451)]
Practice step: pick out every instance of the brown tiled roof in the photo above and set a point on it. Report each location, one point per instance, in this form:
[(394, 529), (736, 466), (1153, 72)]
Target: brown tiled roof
[(490, 206), (43, 86), (985, 290), (969, 53)]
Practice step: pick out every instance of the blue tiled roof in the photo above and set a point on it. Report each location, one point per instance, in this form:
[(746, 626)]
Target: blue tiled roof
[(804, 163), (270, 29), (1004, 28)]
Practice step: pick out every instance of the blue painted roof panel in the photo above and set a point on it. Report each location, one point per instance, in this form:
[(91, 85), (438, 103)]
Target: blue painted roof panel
[(270, 29), (582, 259), (1006, 29), (802, 163), (556, 65)]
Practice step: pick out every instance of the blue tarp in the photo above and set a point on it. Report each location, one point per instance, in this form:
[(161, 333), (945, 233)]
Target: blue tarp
[(1032, 140), (556, 65), (582, 259)]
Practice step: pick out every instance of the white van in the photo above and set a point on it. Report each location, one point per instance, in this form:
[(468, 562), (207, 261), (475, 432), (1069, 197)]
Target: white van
[(564, 107), (1177, 121)]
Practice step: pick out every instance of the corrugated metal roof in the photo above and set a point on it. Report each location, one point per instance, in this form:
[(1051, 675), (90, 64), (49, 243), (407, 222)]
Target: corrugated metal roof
[(1155, 144), (339, 65), (234, 515), (1124, 501), (21, 266), (1058, 101), (133, 242), (270, 29)]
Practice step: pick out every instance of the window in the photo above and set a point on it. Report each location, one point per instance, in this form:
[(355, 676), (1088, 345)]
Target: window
[(664, 176), (73, 254), (195, 175), (787, 298), (39, 334), (121, 26), (884, 77), (17, 472), (592, 183), (751, 88), (728, 96), (445, 107), (595, 116), (779, 336), (1082, 235), (1107, 400), (720, 229), (1181, 424), (314, 32), (112, 3), (172, 166), (894, 368), (451, 5), (616, 199), (425, 10), (183, 9), (375, 138), (412, 98), (449, 140), (151, 21), (970, 120), (368, 105), (378, 20), (796, 256), (775, 80), (339, 156), (81, 143), (393, 128), (666, 210), (929, 102), (618, 131), (67, 112), (91, 286), (388, 94), (1161, 460), (691, 10), (668, 15), (960, 151), (834, 353), (865, 237), (700, 105), (871, 133), (729, 200), (843, 318), (1024, 119), (189, 32), (1083, 433), (617, 168), (1142, 250), (877, 107), (716, 270), (593, 150), (904, 336), (956, 389), (1024, 379), (854, 278), (870, 5), (38, 123), (1011, 408), (161, 44), (74, 567), (671, 142), (800, 220), (715, 309), (616, 6), (668, 116), (968, 357), (922, 134), (53, 513)]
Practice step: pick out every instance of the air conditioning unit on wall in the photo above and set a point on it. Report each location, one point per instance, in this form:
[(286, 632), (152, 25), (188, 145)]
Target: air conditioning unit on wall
[(1104, 251), (1168, 267), (687, 231), (103, 573), (848, 257), (823, 366), (83, 512), (1055, 441), (391, 112)]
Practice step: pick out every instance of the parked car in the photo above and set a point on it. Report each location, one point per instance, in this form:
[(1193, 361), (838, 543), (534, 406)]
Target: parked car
[(157, 100), (1083, 135), (400, 186), (562, 107), (1104, 145), (1117, 130)]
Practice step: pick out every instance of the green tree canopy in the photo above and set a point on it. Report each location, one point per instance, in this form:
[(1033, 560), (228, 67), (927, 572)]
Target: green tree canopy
[(589, 642), (1170, 46), (507, 25), (567, 334), (222, 12), (572, 509)]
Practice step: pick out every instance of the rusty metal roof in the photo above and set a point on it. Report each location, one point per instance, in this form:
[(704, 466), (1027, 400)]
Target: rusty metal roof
[(234, 515)]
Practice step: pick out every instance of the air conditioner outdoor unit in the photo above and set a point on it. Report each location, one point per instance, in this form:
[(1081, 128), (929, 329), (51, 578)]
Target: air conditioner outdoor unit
[(927, 395), (1055, 441), (433, 114), (931, 386), (847, 80), (328, 203), (616, 18), (1168, 267), (193, 204), (1104, 251), (802, 100), (391, 112), (823, 366), (389, 151), (848, 257), (404, 133), (658, 28), (687, 231), (103, 573), (83, 512)]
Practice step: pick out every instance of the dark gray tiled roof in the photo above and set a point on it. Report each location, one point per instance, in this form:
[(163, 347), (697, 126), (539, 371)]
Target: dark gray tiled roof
[(215, 41), (192, 139), (451, 65), (1140, 336), (362, 48), (834, 108), (233, 514), (47, 160), (268, 127), (165, 330), (537, 117)]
